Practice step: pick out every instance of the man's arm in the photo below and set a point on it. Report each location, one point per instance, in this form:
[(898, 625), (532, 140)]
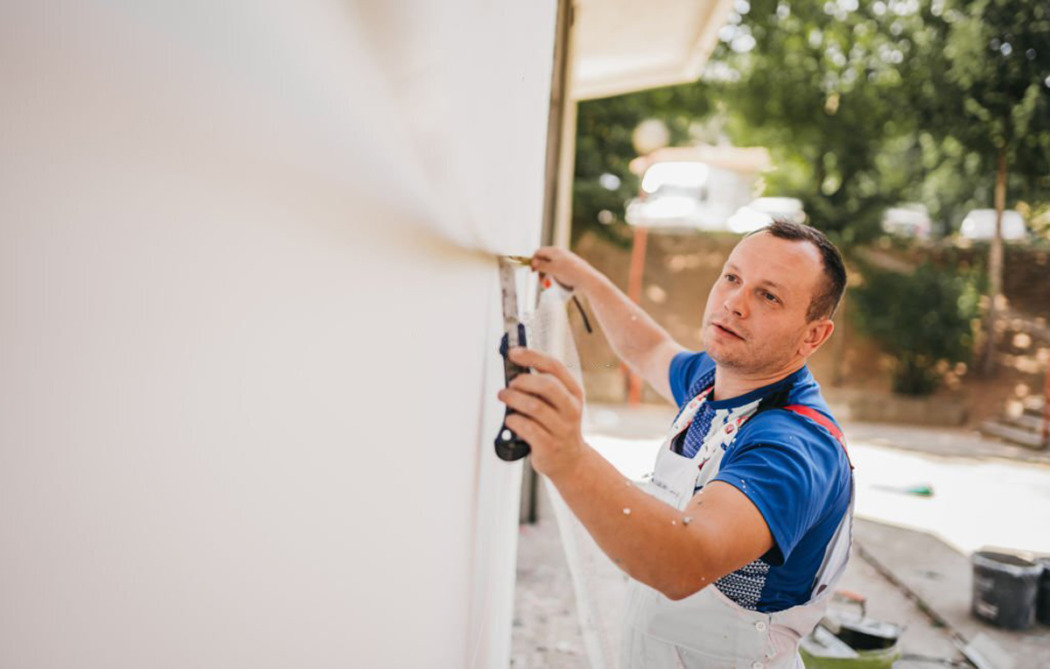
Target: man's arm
[(675, 552), (635, 337)]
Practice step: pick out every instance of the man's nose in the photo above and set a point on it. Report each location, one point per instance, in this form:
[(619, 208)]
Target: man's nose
[(736, 303)]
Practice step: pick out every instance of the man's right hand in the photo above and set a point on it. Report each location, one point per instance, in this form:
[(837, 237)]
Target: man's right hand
[(565, 267)]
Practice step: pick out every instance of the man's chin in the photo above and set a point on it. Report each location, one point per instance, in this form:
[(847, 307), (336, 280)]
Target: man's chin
[(722, 357)]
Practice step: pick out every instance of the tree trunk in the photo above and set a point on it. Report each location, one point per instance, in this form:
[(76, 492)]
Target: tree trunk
[(995, 268)]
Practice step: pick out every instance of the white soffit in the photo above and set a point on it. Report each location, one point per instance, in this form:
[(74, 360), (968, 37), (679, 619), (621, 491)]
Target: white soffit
[(622, 46)]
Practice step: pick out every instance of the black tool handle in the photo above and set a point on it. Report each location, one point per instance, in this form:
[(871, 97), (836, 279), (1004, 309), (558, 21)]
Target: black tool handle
[(510, 446)]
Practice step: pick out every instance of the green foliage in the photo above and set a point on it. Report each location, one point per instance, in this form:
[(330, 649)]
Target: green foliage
[(998, 54), (824, 89), (988, 90), (925, 320), (951, 180)]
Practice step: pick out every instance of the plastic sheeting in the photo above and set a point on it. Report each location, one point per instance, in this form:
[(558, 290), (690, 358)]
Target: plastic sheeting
[(549, 332), (248, 328)]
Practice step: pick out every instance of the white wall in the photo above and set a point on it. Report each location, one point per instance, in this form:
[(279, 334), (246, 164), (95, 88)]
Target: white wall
[(247, 336)]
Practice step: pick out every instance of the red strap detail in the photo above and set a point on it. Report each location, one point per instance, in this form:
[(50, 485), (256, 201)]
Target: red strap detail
[(821, 420)]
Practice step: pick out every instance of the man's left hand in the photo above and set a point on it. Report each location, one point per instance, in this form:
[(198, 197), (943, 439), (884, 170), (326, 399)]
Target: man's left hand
[(549, 406)]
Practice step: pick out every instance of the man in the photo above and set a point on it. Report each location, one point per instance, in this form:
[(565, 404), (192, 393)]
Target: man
[(744, 528)]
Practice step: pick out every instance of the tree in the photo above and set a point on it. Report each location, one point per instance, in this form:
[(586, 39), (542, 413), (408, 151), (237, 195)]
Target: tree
[(822, 85), (989, 91), (922, 319)]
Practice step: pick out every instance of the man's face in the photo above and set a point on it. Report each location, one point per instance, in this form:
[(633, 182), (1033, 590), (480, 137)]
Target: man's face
[(755, 320)]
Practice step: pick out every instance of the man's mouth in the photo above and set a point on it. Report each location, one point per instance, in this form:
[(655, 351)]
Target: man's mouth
[(733, 333)]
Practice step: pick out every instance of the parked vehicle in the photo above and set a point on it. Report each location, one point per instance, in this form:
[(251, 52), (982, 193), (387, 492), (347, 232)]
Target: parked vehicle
[(908, 220), (979, 224), (688, 195)]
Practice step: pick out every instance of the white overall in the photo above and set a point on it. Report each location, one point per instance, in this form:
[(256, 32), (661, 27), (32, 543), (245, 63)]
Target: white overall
[(708, 629)]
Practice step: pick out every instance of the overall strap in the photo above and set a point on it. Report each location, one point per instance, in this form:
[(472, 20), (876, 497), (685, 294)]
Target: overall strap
[(823, 421), (836, 552)]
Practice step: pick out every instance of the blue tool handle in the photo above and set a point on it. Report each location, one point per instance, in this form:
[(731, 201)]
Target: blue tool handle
[(509, 446)]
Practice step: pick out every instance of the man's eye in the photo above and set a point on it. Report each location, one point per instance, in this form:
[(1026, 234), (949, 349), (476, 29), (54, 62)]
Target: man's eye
[(770, 297)]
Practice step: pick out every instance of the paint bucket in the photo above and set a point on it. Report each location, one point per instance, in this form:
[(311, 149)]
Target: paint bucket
[(1042, 600), (1004, 589), (844, 641), (823, 650)]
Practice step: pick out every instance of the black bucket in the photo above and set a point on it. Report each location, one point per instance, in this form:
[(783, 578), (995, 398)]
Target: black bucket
[(1042, 600), (1004, 589)]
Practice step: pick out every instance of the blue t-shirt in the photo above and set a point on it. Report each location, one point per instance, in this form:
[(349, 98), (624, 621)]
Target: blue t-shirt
[(793, 470)]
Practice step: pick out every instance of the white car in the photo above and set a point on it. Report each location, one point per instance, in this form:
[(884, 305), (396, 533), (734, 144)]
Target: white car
[(907, 220), (979, 224), (686, 195)]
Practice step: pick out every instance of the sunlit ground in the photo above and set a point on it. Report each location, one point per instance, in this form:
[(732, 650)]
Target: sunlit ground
[(975, 502)]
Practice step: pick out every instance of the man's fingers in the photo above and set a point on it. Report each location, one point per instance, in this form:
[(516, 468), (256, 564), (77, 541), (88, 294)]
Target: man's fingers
[(544, 258), (530, 405), (529, 358), (550, 390), (526, 428), (544, 254)]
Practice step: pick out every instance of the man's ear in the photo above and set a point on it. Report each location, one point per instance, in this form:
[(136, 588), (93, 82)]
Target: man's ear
[(817, 332)]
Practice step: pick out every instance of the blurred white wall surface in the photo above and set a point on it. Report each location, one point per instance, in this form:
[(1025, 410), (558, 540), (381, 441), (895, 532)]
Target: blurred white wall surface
[(248, 326)]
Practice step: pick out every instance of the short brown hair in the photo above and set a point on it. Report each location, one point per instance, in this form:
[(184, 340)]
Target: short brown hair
[(826, 300)]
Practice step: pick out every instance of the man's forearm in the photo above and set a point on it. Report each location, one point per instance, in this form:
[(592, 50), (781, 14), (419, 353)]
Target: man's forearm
[(651, 541)]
